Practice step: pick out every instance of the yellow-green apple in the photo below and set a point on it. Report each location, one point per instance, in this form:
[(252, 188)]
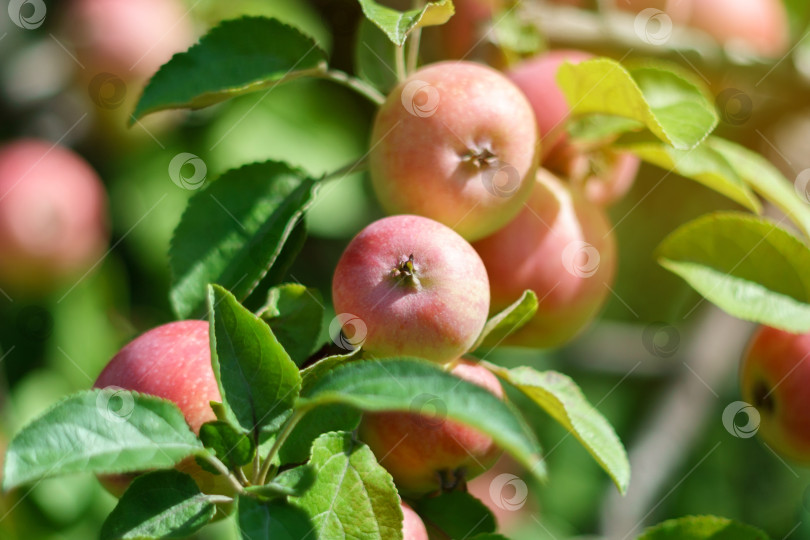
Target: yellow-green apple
[(562, 247), (53, 215), (417, 286), (605, 174), (455, 142), (426, 454), (775, 378), (412, 526), (172, 361)]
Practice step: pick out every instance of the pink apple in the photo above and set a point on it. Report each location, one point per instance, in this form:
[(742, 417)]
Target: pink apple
[(415, 288), (760, 25), (562, 247), (53, 222), (412, 526), (128, 38), (426, 454), (775, 378), (454, 142)]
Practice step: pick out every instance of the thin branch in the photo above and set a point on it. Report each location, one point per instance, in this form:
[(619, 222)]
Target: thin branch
[(282, 436), (355, 166), (400, 58), (222, 469), (354, 83)]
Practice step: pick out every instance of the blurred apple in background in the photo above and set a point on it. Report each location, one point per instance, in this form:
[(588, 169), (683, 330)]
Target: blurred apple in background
[(53, 222)]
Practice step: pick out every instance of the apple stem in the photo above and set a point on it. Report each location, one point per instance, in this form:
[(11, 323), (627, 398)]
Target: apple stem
[(400, 60), (358, 85), (353, 167), (415, 39), (261, 479), (222, 469)]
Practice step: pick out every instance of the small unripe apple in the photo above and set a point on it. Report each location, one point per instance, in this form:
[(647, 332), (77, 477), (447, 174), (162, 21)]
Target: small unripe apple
[(172, 361), (454, 142), (426, 454), (418, 287), (53, 222), (561, 247), (775, 378), (412, 526)]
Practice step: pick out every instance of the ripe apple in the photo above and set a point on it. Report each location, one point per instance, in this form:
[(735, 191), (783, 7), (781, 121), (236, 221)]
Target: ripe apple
[(412, 526), (759, 25), (605, 174), (172, 361), (562, 247), (425, 454), (128, 38), (53, 222), (418, 288), (454, 142), (775, 375), (467, 27)]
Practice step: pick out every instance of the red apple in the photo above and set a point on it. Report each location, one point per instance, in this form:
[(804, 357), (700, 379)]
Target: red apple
[(412, 526), (561, 246), (418, 288), (775, 377), (426, 454), (128, 38), (467, 28), (53, 222), (172, 361), (758, 25), (454, 142)]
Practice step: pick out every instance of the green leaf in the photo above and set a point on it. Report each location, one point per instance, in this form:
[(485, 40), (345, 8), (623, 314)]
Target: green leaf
[(398, 384), (458, 514), (507, 321), (293, 482), (702, 528), (671, 107), (321, 420), (311, 374), (375, 57), (160, 504), (230, 446), (353, 496), (237, 57), (702, 164), (766, 180), (599, 127), (513, 32), (233, 231), (294, 313), (257, 379), (562, 399), (747, 266), (398, 24), (276, 520), (100, 431)]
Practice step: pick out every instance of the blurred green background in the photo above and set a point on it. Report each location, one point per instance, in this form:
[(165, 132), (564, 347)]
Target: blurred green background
[(55, 344)]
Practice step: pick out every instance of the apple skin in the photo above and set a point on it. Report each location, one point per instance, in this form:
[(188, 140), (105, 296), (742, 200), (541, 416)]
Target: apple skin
[(537, 78), (465, 29), (413, 528), (53, 215), (418, 450), (534, 252), (128, 38), (438, 313), (439, 160), (172, 361), (775, 378)]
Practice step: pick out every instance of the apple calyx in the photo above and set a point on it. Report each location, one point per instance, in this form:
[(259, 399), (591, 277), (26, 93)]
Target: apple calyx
[(763, 400), (405, 272), (481, 158)]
